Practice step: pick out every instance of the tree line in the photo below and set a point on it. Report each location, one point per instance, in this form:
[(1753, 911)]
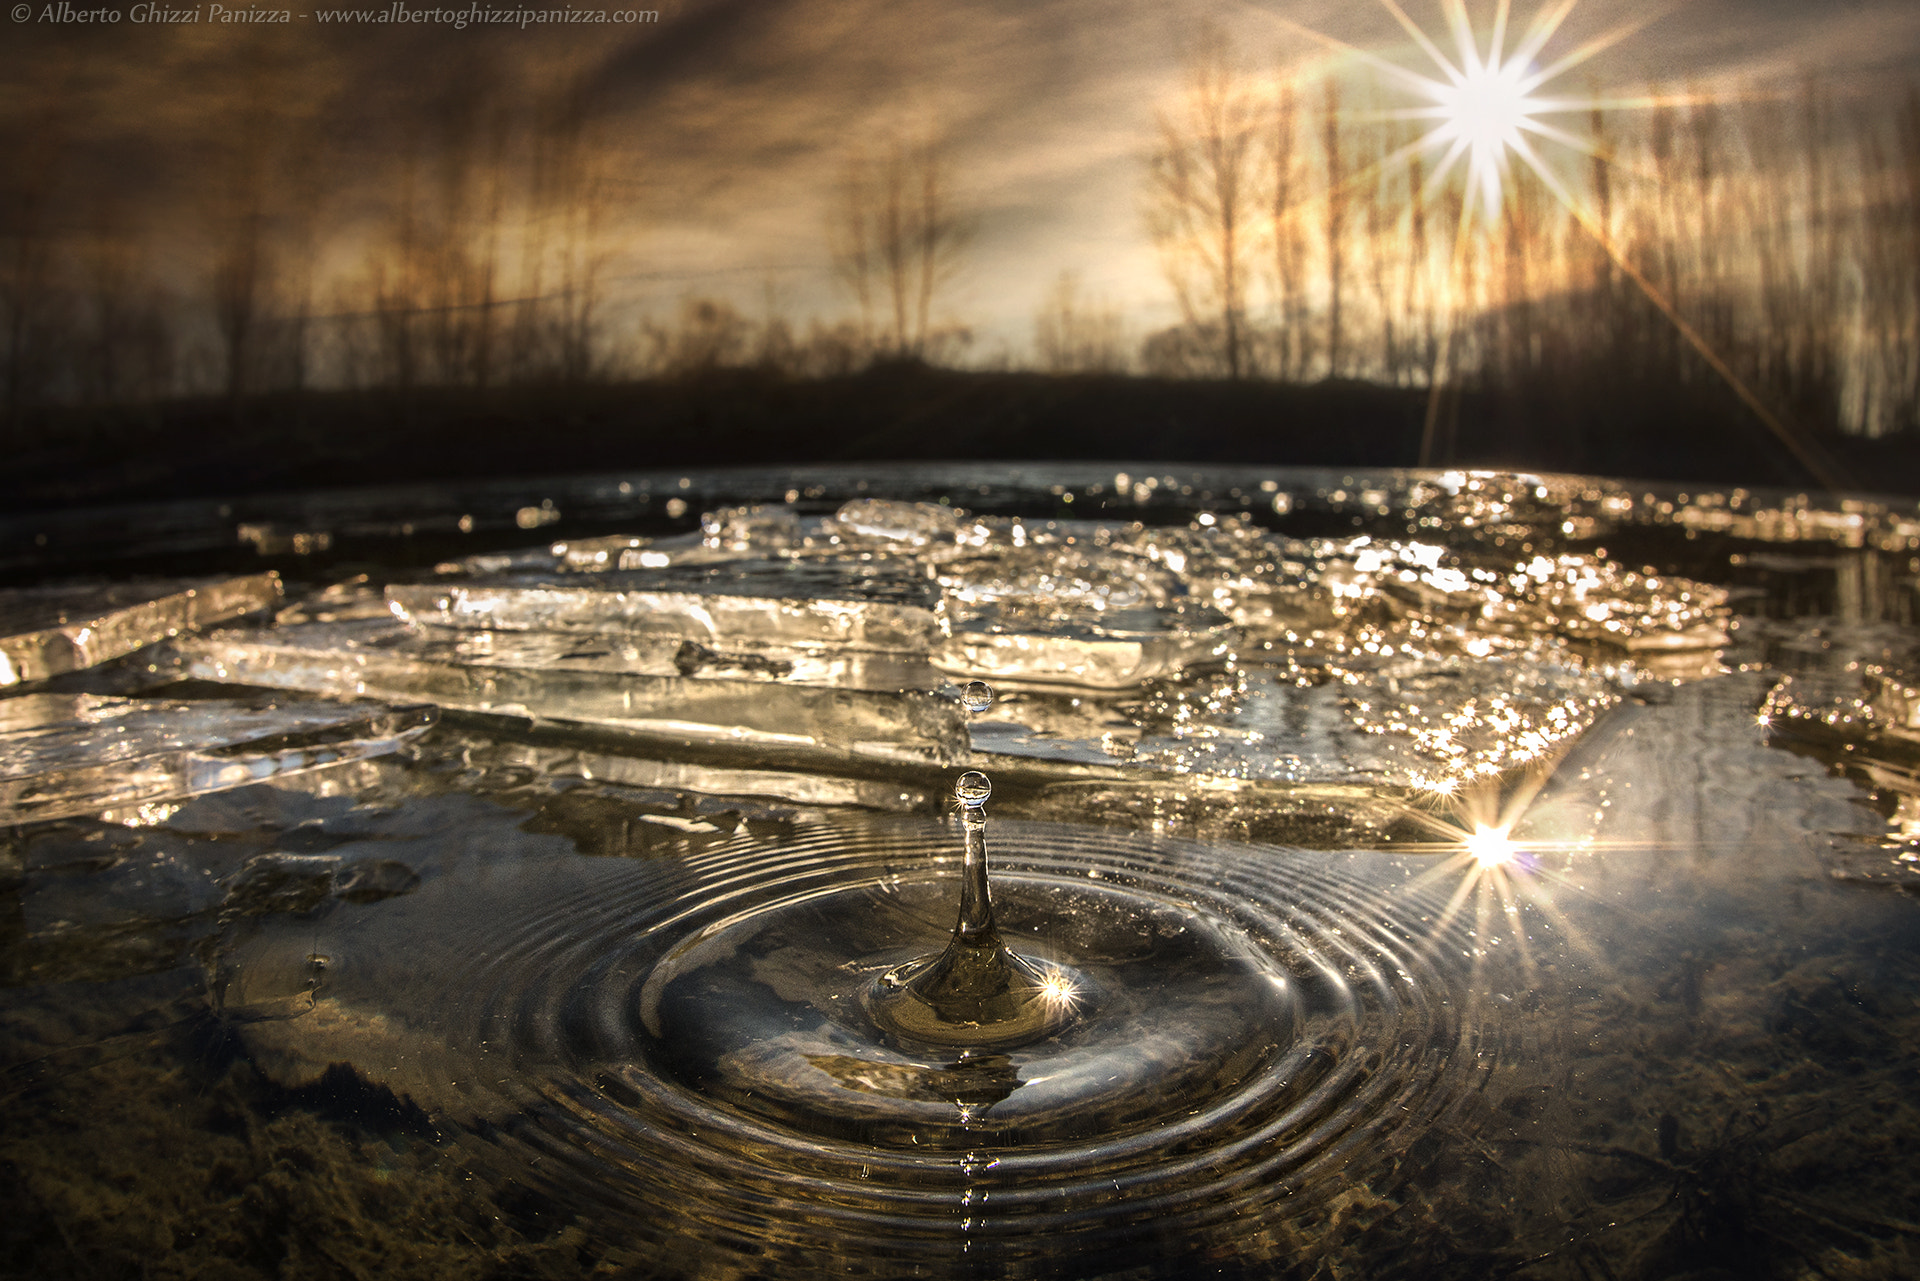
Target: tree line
[(1301, 238)]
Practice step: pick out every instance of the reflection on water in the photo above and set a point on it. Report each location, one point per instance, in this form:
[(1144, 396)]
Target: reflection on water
[(1602, 962)]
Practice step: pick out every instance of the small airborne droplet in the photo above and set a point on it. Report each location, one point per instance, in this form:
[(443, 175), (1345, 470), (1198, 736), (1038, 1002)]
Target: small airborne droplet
[(977, 696), (973, 788)]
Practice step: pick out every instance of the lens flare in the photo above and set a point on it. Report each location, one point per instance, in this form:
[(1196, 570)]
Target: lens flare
[(1057, 990), (1490, 846)]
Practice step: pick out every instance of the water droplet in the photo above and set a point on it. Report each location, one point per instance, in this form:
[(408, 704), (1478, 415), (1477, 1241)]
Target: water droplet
[(973, 788), (977, 696)]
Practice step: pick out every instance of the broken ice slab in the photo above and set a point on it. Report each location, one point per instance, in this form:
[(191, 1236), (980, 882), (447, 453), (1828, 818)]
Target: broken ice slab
[(351, 598), (598, 654), (69, 754), (914, 524), (1412, 726), (859, 605), (633, 689), (1573, 595), (45, 631), (601, 653), (569, 762), (1057, 606)]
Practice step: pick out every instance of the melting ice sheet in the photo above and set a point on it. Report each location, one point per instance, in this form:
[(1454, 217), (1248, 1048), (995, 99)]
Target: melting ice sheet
[(1329, 677)]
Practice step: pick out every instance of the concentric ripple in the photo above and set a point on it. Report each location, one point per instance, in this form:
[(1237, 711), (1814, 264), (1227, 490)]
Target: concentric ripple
[(676, 1051)]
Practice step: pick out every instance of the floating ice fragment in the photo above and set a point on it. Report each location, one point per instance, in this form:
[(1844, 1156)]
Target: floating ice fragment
[(271, 539), (69, 754), (45, 631), (751, 529), (913, 524), (591, 555), (1454, 722)]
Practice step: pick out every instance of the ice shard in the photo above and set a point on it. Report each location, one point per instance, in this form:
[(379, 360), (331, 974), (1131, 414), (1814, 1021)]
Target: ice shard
[(1114, 651), (733, 603), (823, 710), (47, 631), (69, 754)]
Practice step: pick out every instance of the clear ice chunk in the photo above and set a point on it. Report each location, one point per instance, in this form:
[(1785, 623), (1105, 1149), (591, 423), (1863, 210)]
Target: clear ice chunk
[(69, 754), (736, 602), (45, 631), (751, 529), (910, 524), (592, 555)]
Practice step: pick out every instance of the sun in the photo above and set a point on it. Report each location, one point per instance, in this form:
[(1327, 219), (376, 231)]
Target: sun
[(1484, 105), (1487, 109), (1485, 112)]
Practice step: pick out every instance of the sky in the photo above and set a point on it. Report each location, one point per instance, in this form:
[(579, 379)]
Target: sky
[(725, 124)]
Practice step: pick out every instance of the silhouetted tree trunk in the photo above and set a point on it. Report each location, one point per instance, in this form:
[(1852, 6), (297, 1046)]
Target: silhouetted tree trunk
[(1289, 244), (1201, 198), (1336, 225)]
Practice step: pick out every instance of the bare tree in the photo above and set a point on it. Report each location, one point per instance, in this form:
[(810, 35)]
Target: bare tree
[(710, 334), (1202, 198), (1076, 335), (1905, 226), (1419, 280), (896, 236), (1379, 212)]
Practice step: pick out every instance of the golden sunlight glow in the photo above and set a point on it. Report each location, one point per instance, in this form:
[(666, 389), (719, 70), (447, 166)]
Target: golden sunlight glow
[(1490, 846)]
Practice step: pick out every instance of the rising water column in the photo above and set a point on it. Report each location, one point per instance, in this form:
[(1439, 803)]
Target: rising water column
[(976, 993)]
